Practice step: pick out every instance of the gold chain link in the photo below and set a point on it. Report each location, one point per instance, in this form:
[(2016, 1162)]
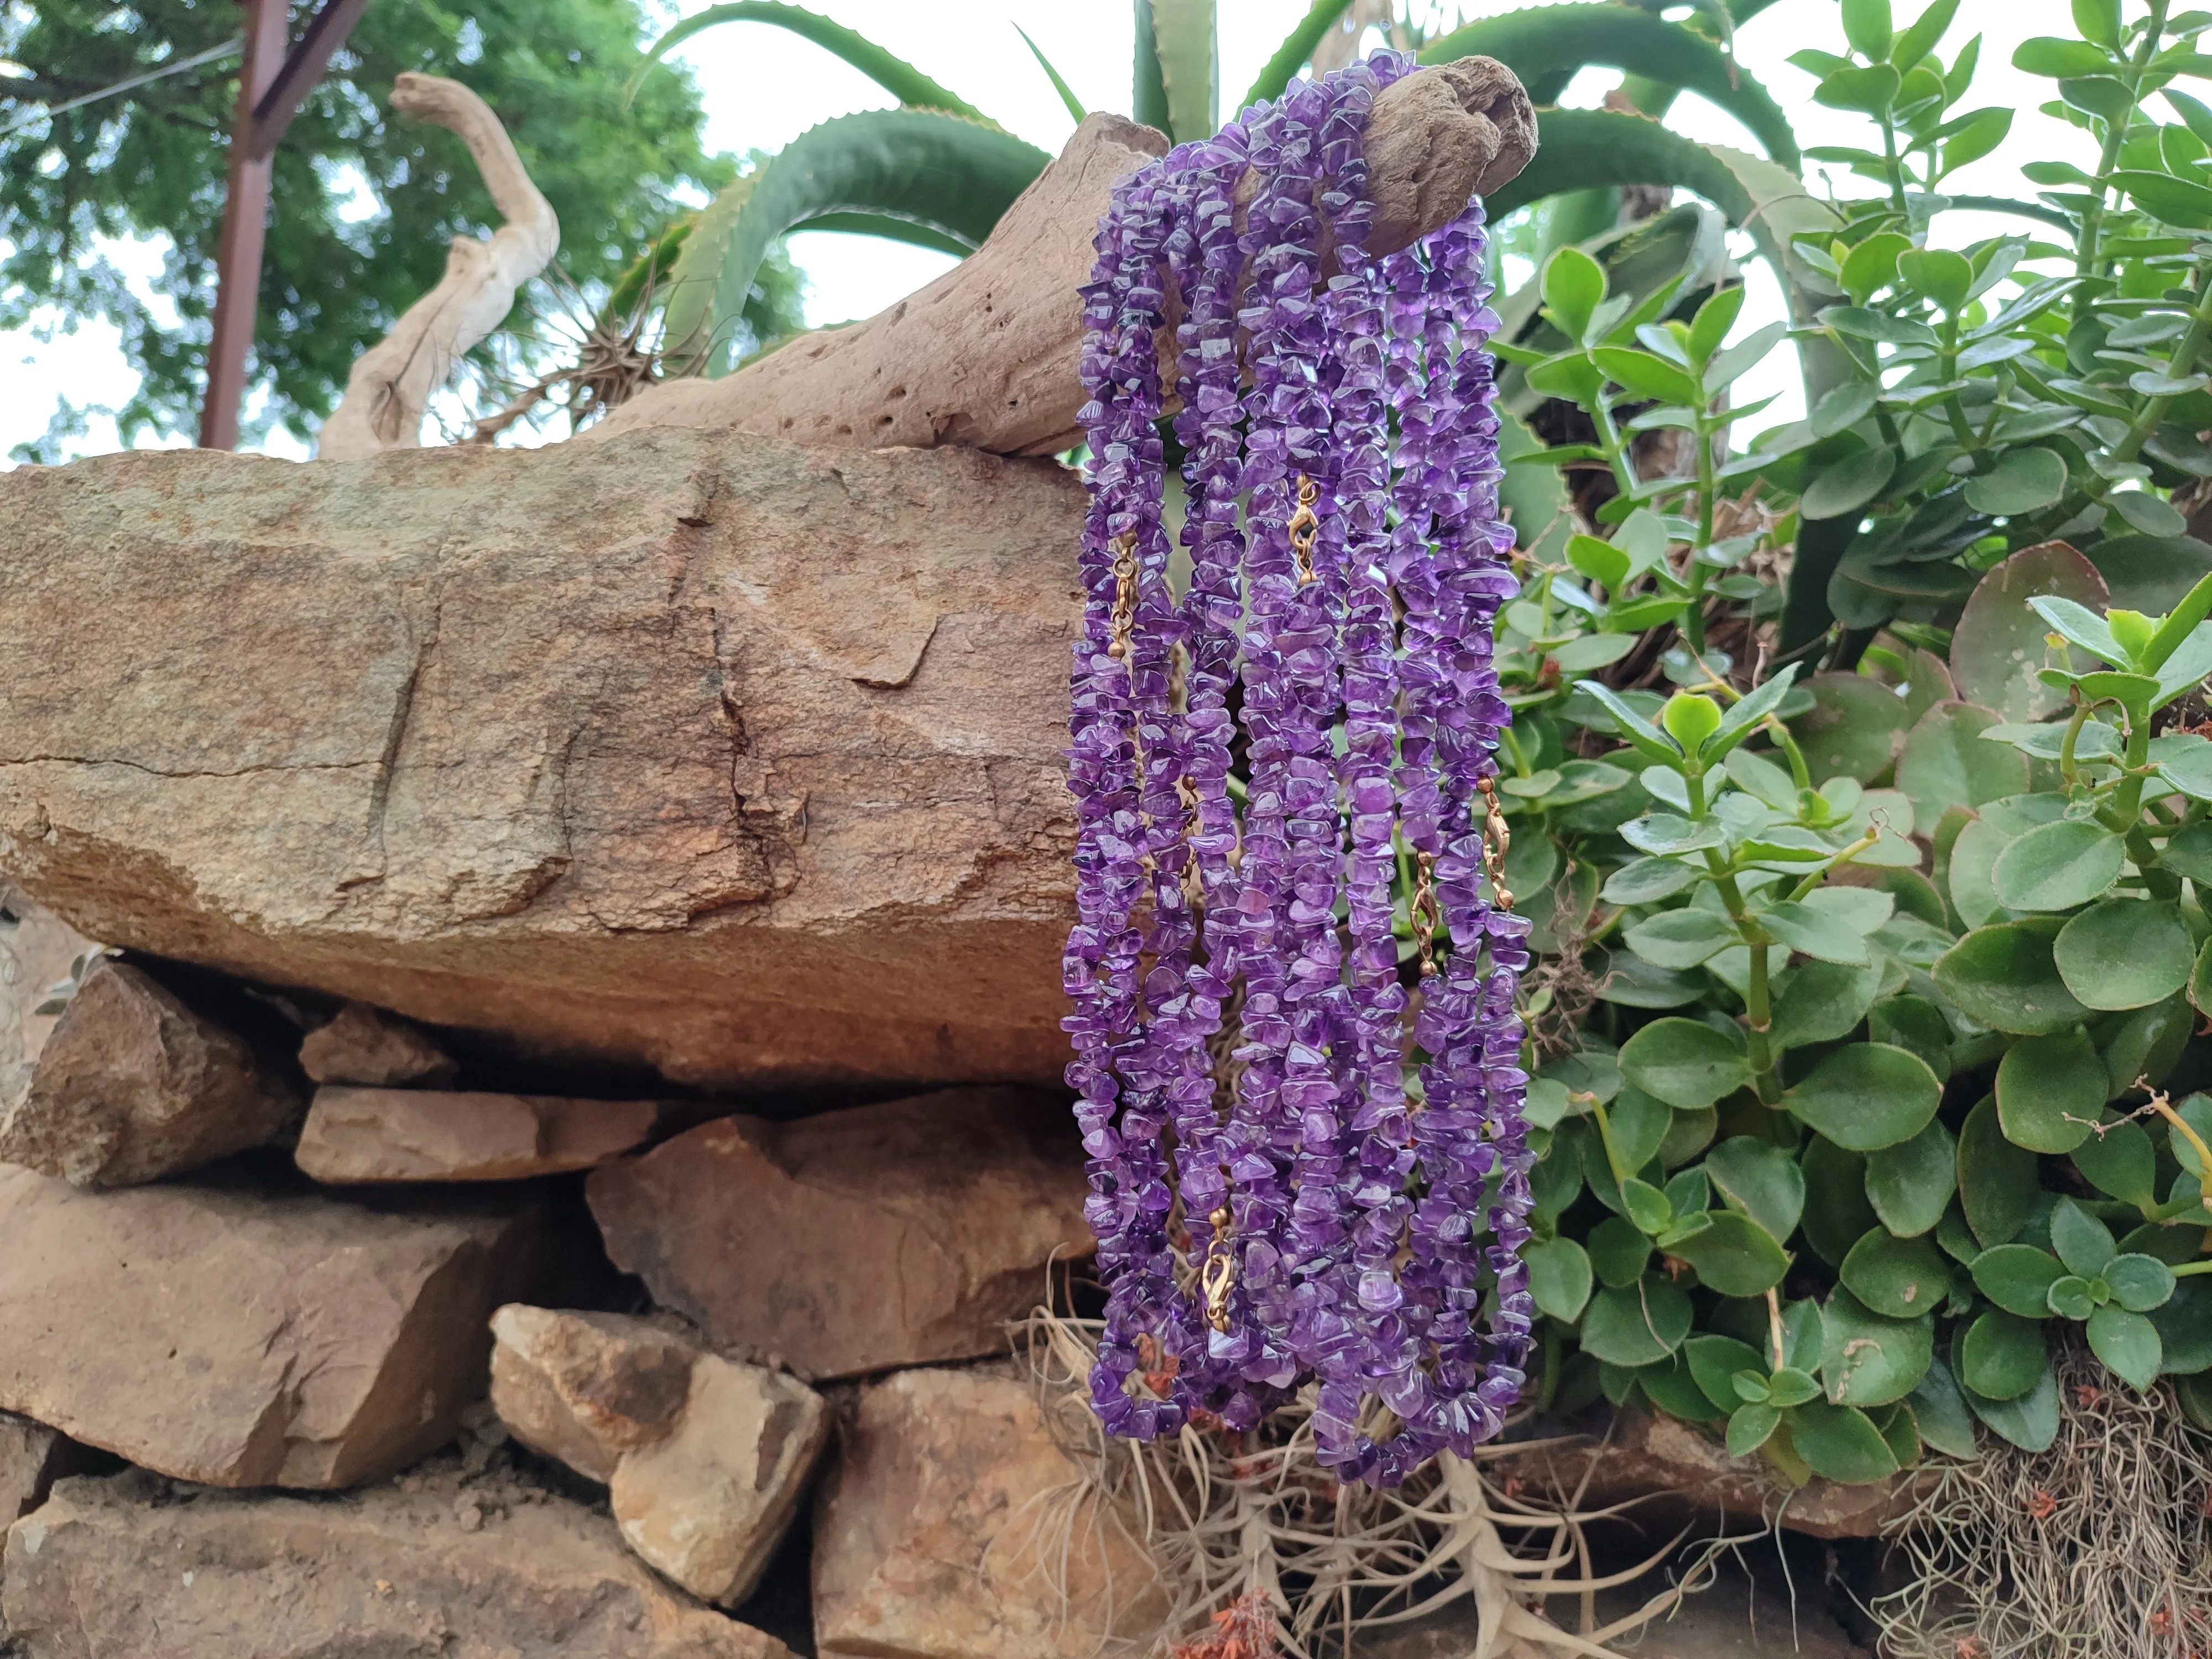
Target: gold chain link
[(1424, 908), (1124, 619), (1220, 1272), (1496, 841), (1304, 525)]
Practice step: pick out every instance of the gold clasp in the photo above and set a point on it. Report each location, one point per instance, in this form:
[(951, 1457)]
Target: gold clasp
[(1304, 525), (1220, 1272), (1124, 619), (1496, 841)]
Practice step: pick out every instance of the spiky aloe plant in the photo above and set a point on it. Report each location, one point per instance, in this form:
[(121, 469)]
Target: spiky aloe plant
[(939, 172)]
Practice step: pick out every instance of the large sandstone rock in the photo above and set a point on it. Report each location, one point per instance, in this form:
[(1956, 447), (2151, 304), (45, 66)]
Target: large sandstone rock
[(706, 1460), (860, 1240), (952, 1526), (354, 1135), (98, 1573), (134, 1083), (32, 1455), (242, 1339), (38, 950), (368, 1047), (712, 752)]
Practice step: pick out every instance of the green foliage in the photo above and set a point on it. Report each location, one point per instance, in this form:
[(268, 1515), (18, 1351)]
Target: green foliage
[(333, 280)]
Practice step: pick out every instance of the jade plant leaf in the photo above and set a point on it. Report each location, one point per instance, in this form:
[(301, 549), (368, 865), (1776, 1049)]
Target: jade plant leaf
[(1867, 1359), (1913, 1022), (1759, 1179), (1997, 1184), (1823, 1001), (2141, 1284), (1867, 1096), (1900, 1278), (1998, 644), (1945, 763), (2124, 953), (1684, 1062), (2083, 1242), (2119, 1161), (1854, 729), (1910, 1184), (2058, 866), (1559, 1277), (2050, 1090), (2003, 977), (2128, 1344)]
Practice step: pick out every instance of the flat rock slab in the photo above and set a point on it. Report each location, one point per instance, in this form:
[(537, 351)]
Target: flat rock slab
[(361, 1135), (950, 1527), (240, 1338), (855, 1241), (707, 751), (135, 1083), (368, 1047), (99, 1574)]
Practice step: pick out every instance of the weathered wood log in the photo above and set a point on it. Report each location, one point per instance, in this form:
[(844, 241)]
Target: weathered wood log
[(987, 356), (699, 751)]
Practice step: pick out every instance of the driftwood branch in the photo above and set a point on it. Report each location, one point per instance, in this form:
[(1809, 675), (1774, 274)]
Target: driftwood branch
[(392, 380), (987, 356)]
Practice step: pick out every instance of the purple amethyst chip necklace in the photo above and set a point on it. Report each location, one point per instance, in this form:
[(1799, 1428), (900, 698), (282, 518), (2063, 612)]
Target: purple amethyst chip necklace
[(1356, 1208)]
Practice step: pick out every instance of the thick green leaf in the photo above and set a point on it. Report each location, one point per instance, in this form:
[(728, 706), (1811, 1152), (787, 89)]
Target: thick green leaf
[(1681, 939), (1297, 51), (1751, 1426), (1998, 1185), (2141, 1284), (1684, 1062), (2185, 1328), (1854, 729), (1559, 1277), (1180, 35), (2144, 1044), (1669, 1386), (1734, 1255), (1901, 1277), (1946, 762), (1867, 1359), (2129, 1344), (2023, 481), (1866, 1096), (1546, 42), (2050, 1089), (1640, 1325), (1941, 1413), (1913, 1022), (2124, 953), (2018, 1278), (1639, 1124), (1759, 1179), (1841, 1444), (2030, 1422), (951, 175), (1850, 484), (2118, 1160), (2001, 1356), (1714, 1360), (893, 74), (1837, 1213), (2058, 866), (2003, 977), (1619, 1251), (2083, 1242), (1910, 1184), (1823, 1001)]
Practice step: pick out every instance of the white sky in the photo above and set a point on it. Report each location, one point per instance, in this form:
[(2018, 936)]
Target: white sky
[(763, 87)]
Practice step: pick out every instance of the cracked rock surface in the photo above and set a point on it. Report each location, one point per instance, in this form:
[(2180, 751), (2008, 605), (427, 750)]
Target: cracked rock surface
[(704, 751)]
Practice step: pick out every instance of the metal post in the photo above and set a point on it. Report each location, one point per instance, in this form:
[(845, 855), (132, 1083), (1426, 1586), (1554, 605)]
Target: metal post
[(244, 221)]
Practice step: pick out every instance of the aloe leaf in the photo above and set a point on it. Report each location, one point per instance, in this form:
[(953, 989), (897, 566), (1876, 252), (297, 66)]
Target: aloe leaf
[(937, 172), (1183, 44), (1299, 46), (895, 230), (893, 74), (1074, 105), (1148, 92), (1545, 46)]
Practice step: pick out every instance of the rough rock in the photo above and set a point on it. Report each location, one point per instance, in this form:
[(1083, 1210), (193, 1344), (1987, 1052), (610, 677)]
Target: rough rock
[(706, 1460), (987, 356), (100, 1573), (711, 753), (240, 1337), (32, 1455), (133, 1084), (37, 949), (353, 1135), (949, 1527), (860, 1240), (370, 1047), (1672, 1471)]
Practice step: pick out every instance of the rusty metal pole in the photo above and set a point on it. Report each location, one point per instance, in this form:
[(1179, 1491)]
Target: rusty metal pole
[(244, 221)]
